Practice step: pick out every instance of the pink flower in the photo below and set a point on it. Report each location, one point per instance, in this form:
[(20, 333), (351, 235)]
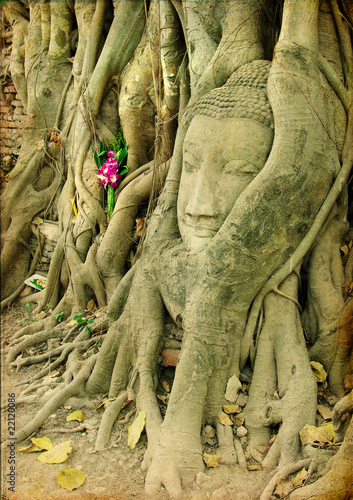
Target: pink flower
[(108, 173)]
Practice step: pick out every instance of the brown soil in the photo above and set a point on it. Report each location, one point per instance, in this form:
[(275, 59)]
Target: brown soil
[(112, 474)]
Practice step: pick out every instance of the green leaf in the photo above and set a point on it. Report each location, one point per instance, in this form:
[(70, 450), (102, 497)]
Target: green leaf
[(28, 307), (124, 171), (96, 159), (90, 321)]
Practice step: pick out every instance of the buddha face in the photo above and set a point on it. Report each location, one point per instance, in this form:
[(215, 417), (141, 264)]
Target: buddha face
[(220, 159)]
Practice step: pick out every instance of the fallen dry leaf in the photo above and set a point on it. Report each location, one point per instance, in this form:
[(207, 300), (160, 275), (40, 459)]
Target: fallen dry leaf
[(299, 478), (91, 306), (239, 421), (225, 419), (229, 409), (135, 429), (70, 479), (140, 224), (311, 434), (105, 401), (255, 467), (43, 443), (166, 386), (76, 415), (318, 371), (56, 455), (328, 426), (211, 460), (284, 487), (29, 448)]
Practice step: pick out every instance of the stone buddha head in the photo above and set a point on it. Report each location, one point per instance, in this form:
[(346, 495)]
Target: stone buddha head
[(226, 145)]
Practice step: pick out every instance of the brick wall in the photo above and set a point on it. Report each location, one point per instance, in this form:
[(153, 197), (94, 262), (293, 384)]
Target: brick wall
[(12, 113), (12, 117)]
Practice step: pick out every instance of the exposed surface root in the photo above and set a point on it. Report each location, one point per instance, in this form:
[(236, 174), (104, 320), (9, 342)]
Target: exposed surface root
[(282, 474), (76, 387)]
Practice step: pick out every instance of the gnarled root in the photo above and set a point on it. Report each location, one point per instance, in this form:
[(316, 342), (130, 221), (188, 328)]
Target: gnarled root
[(337, 482), (75, 388)]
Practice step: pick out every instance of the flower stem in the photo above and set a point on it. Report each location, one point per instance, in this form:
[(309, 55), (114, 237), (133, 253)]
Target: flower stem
[(110, 201)]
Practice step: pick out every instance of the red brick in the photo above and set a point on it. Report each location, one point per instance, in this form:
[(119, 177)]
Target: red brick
[(170, 357), (10, 88), (4, 109)]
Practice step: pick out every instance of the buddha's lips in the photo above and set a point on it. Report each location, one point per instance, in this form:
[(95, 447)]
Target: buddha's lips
[(202, 226)]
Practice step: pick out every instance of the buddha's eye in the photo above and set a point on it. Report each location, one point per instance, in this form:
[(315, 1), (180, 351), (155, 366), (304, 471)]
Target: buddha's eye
[(239, 167), (189, 167)]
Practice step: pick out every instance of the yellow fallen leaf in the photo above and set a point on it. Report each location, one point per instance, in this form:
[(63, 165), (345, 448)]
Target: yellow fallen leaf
[(140, 224), (255, 467), (29, 448), (239, 421), (284, 487), (56, 455), (311, 434), (299, 478), (91, 306), (76, 415), (211, 460), (43, 443), (105, 401), (328, 426), (225, 419), (71, 323), (229, 409), (135, 429), (70, 479), (166, 386), (318, 371)]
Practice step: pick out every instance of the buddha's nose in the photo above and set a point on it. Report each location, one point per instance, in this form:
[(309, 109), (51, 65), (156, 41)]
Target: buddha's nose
[(200, 203)]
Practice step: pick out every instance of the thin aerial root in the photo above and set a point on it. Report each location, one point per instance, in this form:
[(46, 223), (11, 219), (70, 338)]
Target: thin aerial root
[(127, 417), (79, 428), (110, 415), (282, 474), (286, 296), (74, 388), (80, 346), (70, 332)]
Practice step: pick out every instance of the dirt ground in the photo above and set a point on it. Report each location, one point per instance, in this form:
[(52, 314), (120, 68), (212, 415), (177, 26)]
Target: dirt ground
[(111, 474)]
